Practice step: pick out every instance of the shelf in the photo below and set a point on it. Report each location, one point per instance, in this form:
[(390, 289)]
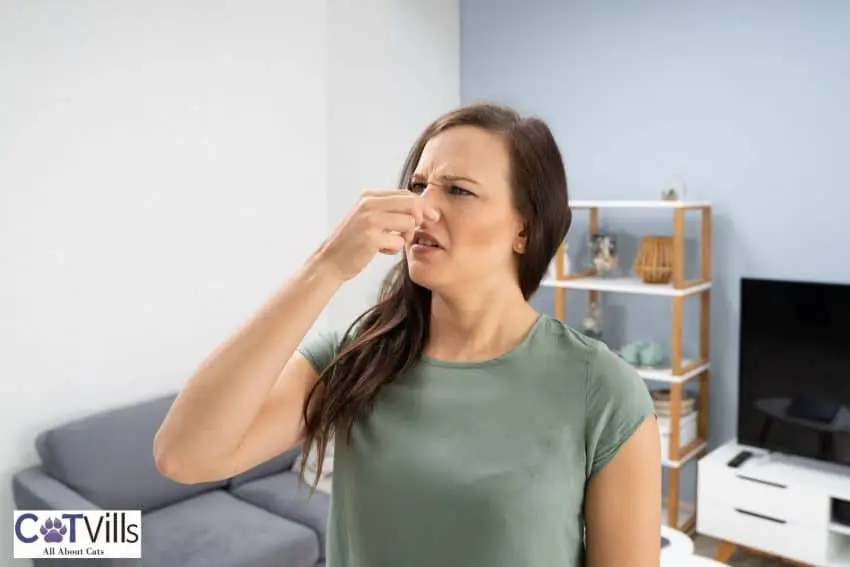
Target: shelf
[(696, 450), (677, 289), (625, 285), (666, 374), (643, 204)]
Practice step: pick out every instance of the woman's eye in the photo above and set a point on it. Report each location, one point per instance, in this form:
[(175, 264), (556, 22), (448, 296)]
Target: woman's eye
[(455, 190), (419, 187)]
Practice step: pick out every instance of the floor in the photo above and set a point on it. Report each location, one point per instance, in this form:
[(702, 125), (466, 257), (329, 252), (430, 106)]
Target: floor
[(706, 546)]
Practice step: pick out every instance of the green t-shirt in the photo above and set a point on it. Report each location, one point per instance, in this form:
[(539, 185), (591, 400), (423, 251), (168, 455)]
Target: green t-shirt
[(481, 464)]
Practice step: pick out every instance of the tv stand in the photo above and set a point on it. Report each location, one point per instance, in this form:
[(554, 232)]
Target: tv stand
[(789, 507)]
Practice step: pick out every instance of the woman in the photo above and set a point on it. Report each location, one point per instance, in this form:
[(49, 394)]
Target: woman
[(470, 430)]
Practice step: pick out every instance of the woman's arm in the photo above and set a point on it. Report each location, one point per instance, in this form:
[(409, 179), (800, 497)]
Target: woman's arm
[(623, 504), (243, 405)]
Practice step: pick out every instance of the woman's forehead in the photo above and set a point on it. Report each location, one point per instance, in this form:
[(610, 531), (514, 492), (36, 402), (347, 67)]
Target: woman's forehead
[(463, 151)]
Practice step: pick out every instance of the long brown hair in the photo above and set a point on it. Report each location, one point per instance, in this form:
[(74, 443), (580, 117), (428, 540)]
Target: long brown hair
[(388, 339)]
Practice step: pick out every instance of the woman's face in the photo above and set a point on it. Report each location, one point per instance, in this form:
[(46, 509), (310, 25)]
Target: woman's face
[(463, 174)]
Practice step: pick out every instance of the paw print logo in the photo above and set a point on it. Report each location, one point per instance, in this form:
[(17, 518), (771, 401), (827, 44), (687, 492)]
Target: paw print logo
[(52, 530)]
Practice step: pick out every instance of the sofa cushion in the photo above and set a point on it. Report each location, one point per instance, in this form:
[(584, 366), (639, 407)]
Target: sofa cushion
[(218, 530), (286, 495), (278, 464), (108, 458)]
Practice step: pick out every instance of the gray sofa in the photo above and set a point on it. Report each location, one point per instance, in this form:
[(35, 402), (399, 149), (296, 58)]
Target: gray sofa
[(264, 517)]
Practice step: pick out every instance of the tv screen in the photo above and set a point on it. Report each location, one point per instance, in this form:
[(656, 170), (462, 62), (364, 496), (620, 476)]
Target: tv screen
[(794, 368)]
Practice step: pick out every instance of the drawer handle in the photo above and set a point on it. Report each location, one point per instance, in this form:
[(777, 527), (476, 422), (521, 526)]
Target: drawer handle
[(761, 517), (767, 482)]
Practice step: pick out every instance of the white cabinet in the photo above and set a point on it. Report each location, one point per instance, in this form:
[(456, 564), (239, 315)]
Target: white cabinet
[(774, 503)]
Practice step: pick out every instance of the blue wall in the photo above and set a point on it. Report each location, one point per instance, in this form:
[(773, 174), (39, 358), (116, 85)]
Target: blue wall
[(749, 101)]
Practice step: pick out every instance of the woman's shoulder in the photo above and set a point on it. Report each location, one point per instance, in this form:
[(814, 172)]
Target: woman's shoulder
[(604, 368), (616, 398), (569, 341), (322, 344)]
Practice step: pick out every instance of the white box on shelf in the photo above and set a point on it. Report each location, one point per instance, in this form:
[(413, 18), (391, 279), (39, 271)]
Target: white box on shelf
[(687, 431)]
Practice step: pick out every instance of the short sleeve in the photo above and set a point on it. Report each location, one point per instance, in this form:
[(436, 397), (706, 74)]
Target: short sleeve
[(618, 401), (320, 347)]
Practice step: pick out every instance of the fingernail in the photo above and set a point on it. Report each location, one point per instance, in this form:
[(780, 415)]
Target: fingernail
[(432, 214)]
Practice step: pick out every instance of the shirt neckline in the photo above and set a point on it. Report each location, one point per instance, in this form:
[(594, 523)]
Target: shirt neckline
[(490, 361)]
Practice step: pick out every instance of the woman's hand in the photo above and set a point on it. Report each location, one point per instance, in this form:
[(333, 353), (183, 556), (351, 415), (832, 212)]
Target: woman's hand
[(381, 221)]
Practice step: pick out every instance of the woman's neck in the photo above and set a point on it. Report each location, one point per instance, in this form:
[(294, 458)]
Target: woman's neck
[(478, 326)]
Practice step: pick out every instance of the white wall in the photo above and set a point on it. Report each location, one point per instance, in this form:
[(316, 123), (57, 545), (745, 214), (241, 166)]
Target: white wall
[(394, 67), (163, 167)]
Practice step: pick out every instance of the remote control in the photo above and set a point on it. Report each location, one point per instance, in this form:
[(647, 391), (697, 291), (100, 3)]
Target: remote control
[(739, 459)]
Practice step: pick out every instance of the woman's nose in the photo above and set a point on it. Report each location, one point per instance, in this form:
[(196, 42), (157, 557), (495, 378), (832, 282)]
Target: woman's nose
[(431, 201)]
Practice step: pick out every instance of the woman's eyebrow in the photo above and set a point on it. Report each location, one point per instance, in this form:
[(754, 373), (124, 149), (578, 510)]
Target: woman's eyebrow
[(447, 178), (452, 178)]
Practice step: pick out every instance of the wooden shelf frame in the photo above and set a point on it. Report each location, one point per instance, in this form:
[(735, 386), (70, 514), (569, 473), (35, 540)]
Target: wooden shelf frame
[(682, 371)]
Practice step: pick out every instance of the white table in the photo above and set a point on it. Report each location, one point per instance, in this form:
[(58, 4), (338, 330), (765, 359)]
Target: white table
[(679, 552)]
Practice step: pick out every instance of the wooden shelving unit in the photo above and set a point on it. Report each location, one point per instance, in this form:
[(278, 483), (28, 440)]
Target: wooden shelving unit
[(678, 514)]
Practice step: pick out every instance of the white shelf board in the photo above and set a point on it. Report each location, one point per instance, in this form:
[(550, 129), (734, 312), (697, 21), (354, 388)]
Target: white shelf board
[(666, 374), (685, 512), (637, 204), (684, 458), (624, 285)]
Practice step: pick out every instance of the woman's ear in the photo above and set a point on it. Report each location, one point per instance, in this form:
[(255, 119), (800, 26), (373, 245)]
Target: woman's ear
[(521, 241)]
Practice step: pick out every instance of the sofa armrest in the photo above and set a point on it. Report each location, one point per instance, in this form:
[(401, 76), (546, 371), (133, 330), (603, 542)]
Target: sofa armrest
[(285, 495), (33, 489)]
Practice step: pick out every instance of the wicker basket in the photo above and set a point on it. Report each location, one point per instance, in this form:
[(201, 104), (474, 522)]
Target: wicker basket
[(654, 260), (661, 401)]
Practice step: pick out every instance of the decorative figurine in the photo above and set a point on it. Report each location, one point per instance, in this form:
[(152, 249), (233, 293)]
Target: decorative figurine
[(631, 353), (651, 355), (643, 354), (603, 247)]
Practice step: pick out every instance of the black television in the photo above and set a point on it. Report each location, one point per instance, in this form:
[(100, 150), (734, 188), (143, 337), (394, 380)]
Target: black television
[(794, 368)]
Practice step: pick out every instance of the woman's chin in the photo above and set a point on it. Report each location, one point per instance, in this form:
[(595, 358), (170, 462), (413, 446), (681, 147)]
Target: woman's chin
[(422, 275)]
